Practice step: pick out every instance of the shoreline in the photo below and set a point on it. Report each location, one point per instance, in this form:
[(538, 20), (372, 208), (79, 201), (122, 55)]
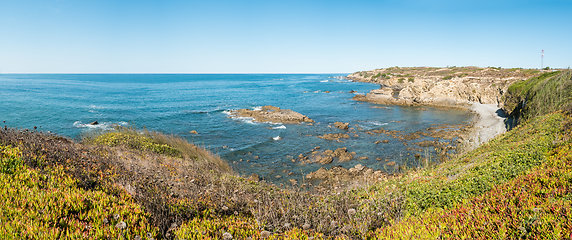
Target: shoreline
[(488, 123)]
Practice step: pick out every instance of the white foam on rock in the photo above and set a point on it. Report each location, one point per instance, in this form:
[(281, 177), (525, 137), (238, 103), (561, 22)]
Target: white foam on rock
[(101, 125)]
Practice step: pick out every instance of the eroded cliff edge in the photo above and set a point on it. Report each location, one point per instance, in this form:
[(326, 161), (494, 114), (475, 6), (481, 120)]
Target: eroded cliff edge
[(450, 87)]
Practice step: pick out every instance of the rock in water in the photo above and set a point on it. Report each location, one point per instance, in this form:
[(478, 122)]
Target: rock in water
[(272, 114), (94, 123), (341, 125)]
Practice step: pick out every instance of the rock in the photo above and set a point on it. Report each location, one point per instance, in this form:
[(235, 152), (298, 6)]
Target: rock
[(293, 182), (363, 158), (94, 123), (385, 141), (226, 236), (343, 154), (324, 159), (341, 125), (264, 234), (272, 114), (391, 164), (359, 167), (334, 136), (121, 225), (321, 173), (327, 91), (254, 177)]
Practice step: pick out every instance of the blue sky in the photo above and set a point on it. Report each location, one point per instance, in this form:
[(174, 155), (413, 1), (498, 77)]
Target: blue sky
[(279, 36)]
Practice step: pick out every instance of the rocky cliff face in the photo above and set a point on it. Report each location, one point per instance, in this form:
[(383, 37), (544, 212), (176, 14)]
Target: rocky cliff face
[(439, 86)]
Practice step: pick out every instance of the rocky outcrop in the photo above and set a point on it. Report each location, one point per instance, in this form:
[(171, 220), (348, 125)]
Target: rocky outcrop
[(341, 125), (272, 114), (451, 87), (327, 156), (334, 136), (338, 174)]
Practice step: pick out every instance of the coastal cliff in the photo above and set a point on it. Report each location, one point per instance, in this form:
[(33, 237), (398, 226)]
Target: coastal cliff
[(450, 87)]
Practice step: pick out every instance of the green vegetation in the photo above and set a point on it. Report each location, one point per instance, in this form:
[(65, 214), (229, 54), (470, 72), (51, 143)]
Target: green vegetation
[(411, 79), (400, 80), (540, 95), (447, 77), (496, 162)]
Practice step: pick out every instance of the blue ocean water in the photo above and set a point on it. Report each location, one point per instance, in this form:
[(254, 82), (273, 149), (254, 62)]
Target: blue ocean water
[(179, 103)]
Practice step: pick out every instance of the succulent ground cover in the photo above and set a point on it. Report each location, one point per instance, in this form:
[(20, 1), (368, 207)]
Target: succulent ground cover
[(48, 204)]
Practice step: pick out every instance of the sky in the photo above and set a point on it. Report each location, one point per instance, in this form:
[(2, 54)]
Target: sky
[(275, 36)]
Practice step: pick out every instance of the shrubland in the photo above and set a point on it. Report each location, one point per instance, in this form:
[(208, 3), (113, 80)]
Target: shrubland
[(139, 184)]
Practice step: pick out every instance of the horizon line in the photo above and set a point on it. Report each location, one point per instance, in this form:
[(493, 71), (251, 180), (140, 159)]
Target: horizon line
[(173, 72)]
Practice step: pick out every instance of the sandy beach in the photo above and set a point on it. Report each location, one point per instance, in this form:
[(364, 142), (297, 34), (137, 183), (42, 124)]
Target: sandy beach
[(489, 124)]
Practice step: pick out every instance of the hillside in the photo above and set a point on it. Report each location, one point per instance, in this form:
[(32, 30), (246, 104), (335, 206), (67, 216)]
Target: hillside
[(134, 184)]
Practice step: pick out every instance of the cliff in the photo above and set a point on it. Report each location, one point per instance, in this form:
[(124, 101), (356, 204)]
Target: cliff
[(453, 86)]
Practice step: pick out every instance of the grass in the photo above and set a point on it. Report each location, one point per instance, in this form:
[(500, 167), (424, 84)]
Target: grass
[(156, 142), (539, 95)]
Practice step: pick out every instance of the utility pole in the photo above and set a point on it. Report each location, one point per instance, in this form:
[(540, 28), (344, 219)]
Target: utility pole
[(542, 60)]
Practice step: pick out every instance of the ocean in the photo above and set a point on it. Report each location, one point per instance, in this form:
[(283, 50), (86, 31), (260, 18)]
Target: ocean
[(177, 104)]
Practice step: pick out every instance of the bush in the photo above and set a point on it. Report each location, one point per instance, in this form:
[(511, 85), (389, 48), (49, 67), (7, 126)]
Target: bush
[(411, 79), (447, 77), (400, 80)]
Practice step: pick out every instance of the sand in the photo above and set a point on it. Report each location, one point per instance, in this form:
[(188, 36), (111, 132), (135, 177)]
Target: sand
[(489, 123)]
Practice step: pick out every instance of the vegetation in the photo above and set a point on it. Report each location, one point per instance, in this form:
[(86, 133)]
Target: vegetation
[(540, 95), (133, 184), (49, 204), (535, 205)]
